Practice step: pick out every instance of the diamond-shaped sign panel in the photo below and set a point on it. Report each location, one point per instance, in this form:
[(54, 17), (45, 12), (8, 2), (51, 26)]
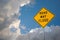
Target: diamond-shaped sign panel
[(43, 17)]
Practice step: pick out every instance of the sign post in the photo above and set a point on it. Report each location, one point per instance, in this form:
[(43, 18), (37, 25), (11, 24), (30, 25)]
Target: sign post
[(43, 17)]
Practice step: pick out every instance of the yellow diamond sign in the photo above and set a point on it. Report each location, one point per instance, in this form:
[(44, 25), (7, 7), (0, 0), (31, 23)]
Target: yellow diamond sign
[(43, 17)]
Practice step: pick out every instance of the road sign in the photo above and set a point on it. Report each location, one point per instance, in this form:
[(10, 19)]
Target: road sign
[(43, 17)]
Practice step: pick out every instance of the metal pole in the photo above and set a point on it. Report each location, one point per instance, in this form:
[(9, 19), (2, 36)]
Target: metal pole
[(44, 34)]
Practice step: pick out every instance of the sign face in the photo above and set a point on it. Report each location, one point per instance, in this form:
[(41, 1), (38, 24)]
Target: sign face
[(43, 17)]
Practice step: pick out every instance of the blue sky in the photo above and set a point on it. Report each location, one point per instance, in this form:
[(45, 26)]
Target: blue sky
[(13, 25), (28, 12)]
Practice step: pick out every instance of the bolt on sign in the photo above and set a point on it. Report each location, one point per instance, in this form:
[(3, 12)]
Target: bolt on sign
[(43, 17)]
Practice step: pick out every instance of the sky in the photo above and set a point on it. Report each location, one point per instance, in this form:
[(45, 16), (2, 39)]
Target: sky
[(29, 11), (17, 23)]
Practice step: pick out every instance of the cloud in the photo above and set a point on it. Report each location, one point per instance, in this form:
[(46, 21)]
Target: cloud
[(9, 11), (6, 34), (23, 27), (51, 33), (24, 3), (9, 18), (14, 27)]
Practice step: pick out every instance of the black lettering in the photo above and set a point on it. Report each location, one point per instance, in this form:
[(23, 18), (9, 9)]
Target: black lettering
[(43, 20), (44, 16), (43, 12)]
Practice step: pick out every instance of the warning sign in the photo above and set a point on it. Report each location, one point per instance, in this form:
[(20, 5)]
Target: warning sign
[(43, 17)]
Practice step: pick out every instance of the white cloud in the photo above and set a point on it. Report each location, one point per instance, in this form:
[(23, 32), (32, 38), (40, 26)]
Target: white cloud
[(6, 34), (15, 25), (9, 14), (24, 3), (9, 11), (47, 29), (23, 27), (51, 33)]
